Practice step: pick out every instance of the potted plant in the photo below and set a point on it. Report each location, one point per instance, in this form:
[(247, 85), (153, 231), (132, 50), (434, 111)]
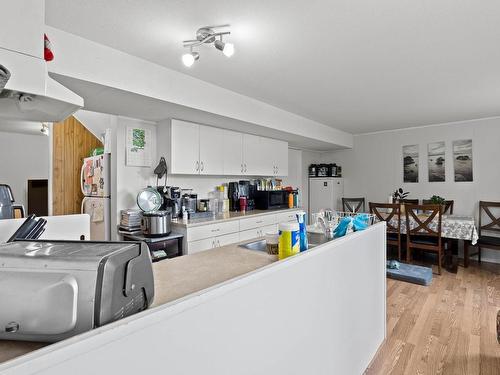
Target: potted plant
[(436, 199), (398, 196)]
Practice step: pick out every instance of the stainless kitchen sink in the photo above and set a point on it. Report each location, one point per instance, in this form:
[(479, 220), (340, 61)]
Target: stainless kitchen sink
[(260, 245)]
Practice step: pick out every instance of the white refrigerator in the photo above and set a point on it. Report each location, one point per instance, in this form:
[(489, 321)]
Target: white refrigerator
[(325, 193), (95, 183)]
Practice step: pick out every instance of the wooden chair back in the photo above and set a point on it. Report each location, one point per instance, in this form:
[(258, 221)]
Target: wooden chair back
[(448, 206), (493, 218), (409, 201), (423, 222), (353, 205), (386, 212)]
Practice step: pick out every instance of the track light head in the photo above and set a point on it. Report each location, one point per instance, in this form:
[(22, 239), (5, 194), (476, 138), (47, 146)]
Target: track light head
[(226, 48), (188, 59)]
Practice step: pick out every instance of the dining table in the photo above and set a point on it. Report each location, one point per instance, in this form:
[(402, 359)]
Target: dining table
[(456, 227)]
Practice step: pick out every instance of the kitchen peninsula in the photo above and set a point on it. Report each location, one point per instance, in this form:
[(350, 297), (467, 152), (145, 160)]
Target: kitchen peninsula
[(326, 304)]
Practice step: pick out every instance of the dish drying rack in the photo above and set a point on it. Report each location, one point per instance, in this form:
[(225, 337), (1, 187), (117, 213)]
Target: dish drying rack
[(333, 218)]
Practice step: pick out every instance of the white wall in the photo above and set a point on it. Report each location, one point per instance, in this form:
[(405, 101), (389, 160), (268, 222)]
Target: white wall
[(374, 167), (23, 157)]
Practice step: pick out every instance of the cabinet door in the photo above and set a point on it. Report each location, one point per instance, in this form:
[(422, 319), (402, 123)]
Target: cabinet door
[(185, 148), (227, 239), (252, 158), (281, 157), (232, 144), (267, 165), (201, 245), (22, 26), (250, 234), (211, 151)]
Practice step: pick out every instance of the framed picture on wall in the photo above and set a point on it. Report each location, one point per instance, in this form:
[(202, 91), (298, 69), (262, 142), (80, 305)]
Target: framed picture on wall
[(410, 163), (462, 160), (436, 161)]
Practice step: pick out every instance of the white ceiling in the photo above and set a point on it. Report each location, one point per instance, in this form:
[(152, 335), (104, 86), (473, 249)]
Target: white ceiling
[(356, 65)]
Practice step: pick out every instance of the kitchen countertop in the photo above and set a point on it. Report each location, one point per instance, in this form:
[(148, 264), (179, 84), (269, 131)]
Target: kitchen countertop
[(178, 277), (228, 217)]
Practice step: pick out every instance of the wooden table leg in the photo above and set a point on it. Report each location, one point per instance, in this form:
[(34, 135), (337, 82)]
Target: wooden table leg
[(466, 253)]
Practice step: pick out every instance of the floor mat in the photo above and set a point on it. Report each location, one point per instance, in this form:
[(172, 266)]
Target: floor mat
[(411, 273)]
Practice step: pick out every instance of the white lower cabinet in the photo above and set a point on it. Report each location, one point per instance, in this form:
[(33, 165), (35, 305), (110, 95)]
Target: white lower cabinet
[(200, 245), (227, 239), (210, 236), (212, 242)]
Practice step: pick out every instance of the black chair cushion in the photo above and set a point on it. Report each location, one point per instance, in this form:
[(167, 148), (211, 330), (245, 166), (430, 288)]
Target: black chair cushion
[(488, 241)]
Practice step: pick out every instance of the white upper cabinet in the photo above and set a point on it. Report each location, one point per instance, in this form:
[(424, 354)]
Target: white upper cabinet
[(280, 157), (232, 144), (266, 154), (185, 148), (211, 150), (198, 149), (252, 159), (22, 26)]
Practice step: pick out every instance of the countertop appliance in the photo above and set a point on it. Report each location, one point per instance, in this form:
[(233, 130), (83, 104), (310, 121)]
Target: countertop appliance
[(238, 189), (52, 290), (154, 222), (271, 199), (95, 183), (325, 193), (190, 201), (7, 206)]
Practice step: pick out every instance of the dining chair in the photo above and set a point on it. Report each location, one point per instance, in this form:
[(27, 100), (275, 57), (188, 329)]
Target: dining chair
[(409, 201), (353, 205), (448, 206), (386, 212), (421, 233), (489, 222)]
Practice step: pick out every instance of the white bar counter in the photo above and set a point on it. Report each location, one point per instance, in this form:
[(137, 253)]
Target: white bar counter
[(320, 312)]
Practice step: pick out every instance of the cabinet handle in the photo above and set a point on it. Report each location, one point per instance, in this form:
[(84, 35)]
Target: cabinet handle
[(202, 166), (245, 167), (258, 222), (197, 166), (213, 244), (241, 167), (218, 243), (216, 230)]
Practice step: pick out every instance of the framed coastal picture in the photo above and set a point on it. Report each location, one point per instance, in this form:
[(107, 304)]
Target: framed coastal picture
[(462, 160), (410, 163), (436, 161)]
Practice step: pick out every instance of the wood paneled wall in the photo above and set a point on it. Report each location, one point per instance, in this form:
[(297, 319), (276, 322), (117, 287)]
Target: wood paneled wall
[(71, 143)]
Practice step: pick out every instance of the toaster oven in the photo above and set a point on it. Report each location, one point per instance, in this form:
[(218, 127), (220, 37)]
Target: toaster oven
[(52, 290)]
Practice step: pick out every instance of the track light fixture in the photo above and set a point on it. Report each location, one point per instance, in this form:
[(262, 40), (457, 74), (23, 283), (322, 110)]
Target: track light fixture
[(207, 35), (45, 129)]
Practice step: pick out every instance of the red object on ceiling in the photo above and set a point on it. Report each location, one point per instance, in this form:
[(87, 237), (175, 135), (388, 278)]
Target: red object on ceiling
[(48, 55)]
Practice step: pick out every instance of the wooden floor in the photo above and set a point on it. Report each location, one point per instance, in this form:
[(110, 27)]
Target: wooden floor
[(446, 328)]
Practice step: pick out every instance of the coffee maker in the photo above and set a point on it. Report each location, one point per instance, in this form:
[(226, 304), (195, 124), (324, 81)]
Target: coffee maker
[(171, 199), (233, 194), (242, 188)]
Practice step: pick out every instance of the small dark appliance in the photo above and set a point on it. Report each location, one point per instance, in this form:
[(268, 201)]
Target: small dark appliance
[(271, 199)]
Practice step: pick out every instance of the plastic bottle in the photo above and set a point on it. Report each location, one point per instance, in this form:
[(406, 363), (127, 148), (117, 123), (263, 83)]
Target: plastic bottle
[(289, 240), (290, 200), (301, 219)]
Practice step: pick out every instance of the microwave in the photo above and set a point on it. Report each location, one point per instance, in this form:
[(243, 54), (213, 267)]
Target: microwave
[(270, 199)]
